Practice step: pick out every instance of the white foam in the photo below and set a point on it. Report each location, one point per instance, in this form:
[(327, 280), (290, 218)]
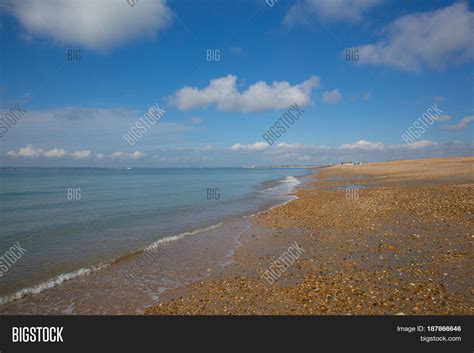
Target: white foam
[(285, 186), (291, 181), (49, 283), (179, 236)]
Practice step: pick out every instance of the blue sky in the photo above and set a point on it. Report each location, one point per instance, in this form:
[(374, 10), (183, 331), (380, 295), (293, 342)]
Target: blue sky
[(412, 54)]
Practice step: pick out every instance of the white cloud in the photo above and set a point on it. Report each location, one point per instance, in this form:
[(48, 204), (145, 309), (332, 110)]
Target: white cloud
[(461, 125), (292, 149), (82, 154), (364, 145), (98, 25), (138, 155), (56, 153), (253, 147), (123, 155), (260, 96), (330, 10), (422, 144), (435, 38), (118, 155), (31, 151), (332, 97), (289, 145)]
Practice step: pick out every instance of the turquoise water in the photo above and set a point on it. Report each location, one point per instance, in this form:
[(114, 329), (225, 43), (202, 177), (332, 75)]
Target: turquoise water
[(69, 219)]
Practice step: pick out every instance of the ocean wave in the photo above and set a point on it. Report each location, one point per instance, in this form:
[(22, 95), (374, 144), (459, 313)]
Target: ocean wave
[(179, 236), (55, 281), (63, 277), (282, 187), (291, 181)]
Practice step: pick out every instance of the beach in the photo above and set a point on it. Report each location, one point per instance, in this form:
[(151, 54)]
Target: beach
[(380, 239)]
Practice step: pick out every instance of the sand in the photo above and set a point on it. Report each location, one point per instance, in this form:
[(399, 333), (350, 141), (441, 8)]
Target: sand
[(399, 244)]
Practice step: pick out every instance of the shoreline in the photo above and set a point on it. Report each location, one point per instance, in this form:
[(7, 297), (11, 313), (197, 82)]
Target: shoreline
[(400, 247), (78, 279)]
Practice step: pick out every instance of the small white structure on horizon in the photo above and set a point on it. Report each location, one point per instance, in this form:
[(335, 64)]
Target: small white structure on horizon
[(351, 163)]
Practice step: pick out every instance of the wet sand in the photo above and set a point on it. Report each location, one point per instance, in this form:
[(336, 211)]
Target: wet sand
[(399, 244)]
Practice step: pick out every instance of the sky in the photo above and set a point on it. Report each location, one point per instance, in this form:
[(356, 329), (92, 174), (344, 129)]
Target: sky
[(212, 77)]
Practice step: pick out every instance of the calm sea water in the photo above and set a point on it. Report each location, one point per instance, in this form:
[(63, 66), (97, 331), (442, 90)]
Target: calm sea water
[(71, 219)]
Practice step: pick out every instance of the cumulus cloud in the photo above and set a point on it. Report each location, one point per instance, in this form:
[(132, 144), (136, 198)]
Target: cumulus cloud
[(56, 153), (293, 146), (31, 151), (133, 155), (82, 154), (364, 145), (332, 97), (436, 38), (253, 147), (330, 10), (97, 25), (223, 93), (138, 155), (419, 145), (461, 125), (295, 149)]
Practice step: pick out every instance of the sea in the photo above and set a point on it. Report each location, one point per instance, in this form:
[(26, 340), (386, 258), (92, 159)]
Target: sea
[(111, 241)]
